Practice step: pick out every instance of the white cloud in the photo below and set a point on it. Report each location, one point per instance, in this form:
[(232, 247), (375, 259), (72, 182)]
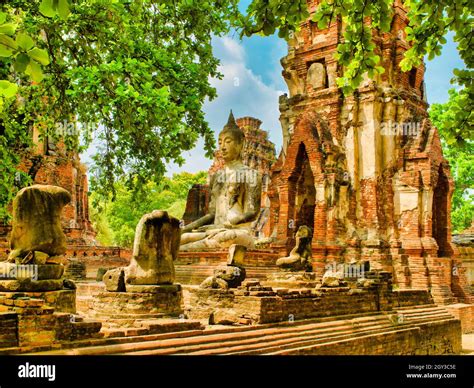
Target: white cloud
[(240, 90)]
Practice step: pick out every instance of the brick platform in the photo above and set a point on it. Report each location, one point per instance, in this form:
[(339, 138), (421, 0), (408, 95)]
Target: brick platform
[(166, 301), (62, 300), (35, 323), (465, 313)]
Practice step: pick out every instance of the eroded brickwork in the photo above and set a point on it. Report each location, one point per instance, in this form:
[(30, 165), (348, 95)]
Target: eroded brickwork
[(366, 171)]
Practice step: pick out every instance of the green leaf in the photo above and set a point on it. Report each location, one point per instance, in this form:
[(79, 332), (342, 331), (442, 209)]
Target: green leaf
[(5, 52), (24, 41), (3, 17), (21, 62), (46, 8), (34, 71), (8, 89), (39, 55), (63, 9), (8, 42), (8, 28)]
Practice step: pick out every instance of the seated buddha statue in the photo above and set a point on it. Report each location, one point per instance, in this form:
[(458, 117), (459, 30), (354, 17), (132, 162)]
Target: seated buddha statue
[(234, 204)]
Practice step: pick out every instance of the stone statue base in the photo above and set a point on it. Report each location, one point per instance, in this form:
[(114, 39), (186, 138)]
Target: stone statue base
[(63, 301), (291, 280), (31, 277), (140, 302), (28, 285)]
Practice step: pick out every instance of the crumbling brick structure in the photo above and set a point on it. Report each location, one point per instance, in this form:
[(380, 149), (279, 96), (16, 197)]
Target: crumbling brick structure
[(366, 172)]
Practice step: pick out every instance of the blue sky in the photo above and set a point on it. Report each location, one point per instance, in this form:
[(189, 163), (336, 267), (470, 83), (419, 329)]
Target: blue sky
[(252, 83)]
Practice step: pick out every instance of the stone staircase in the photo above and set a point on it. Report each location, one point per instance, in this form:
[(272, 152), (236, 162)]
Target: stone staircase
[(361, 334)]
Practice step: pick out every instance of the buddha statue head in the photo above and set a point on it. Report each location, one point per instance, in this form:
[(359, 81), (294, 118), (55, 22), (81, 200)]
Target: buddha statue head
[(231, 141)]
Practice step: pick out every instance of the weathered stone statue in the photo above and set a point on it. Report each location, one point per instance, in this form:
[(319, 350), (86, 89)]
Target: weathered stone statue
[(234, 203), (300, 256), (145, 288), (37, 241), (36, 228), (231, 275), (155, 248)]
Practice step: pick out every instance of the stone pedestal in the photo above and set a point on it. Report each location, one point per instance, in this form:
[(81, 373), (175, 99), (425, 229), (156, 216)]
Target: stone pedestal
[(140, 302), (63, 301), (32, 278), (291, 280)]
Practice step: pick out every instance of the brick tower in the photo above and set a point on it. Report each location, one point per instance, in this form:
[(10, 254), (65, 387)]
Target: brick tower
[(366, 172)]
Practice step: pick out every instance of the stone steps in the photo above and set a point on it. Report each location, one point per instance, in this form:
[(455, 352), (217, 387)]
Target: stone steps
[(115, 338), (209, 336), (254, 345), (306, 341), (222, 343), (265, 339), (312, 334)]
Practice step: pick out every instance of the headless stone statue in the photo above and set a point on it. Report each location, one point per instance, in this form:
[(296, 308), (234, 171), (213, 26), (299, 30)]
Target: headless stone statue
[(37, 241), (154, 250), (234, 203), (36, 227), (300, 256)]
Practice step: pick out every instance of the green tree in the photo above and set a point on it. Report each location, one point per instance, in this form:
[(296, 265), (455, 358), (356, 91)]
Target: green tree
[(460, 158), (430, 21), (116, 220), (136, 72)]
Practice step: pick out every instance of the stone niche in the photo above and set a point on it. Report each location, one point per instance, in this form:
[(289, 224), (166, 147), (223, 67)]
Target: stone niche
[(317, 76)]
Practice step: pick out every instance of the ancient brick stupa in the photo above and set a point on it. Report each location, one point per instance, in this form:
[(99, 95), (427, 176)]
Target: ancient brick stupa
[(366, 172), (258, 152), (48, 162)]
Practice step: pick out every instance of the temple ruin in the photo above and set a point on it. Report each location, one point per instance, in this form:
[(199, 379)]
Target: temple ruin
[(341, 245)]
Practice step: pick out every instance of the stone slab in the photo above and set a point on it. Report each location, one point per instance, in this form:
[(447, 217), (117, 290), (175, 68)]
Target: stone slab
[(31, 285), (165, 301)]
